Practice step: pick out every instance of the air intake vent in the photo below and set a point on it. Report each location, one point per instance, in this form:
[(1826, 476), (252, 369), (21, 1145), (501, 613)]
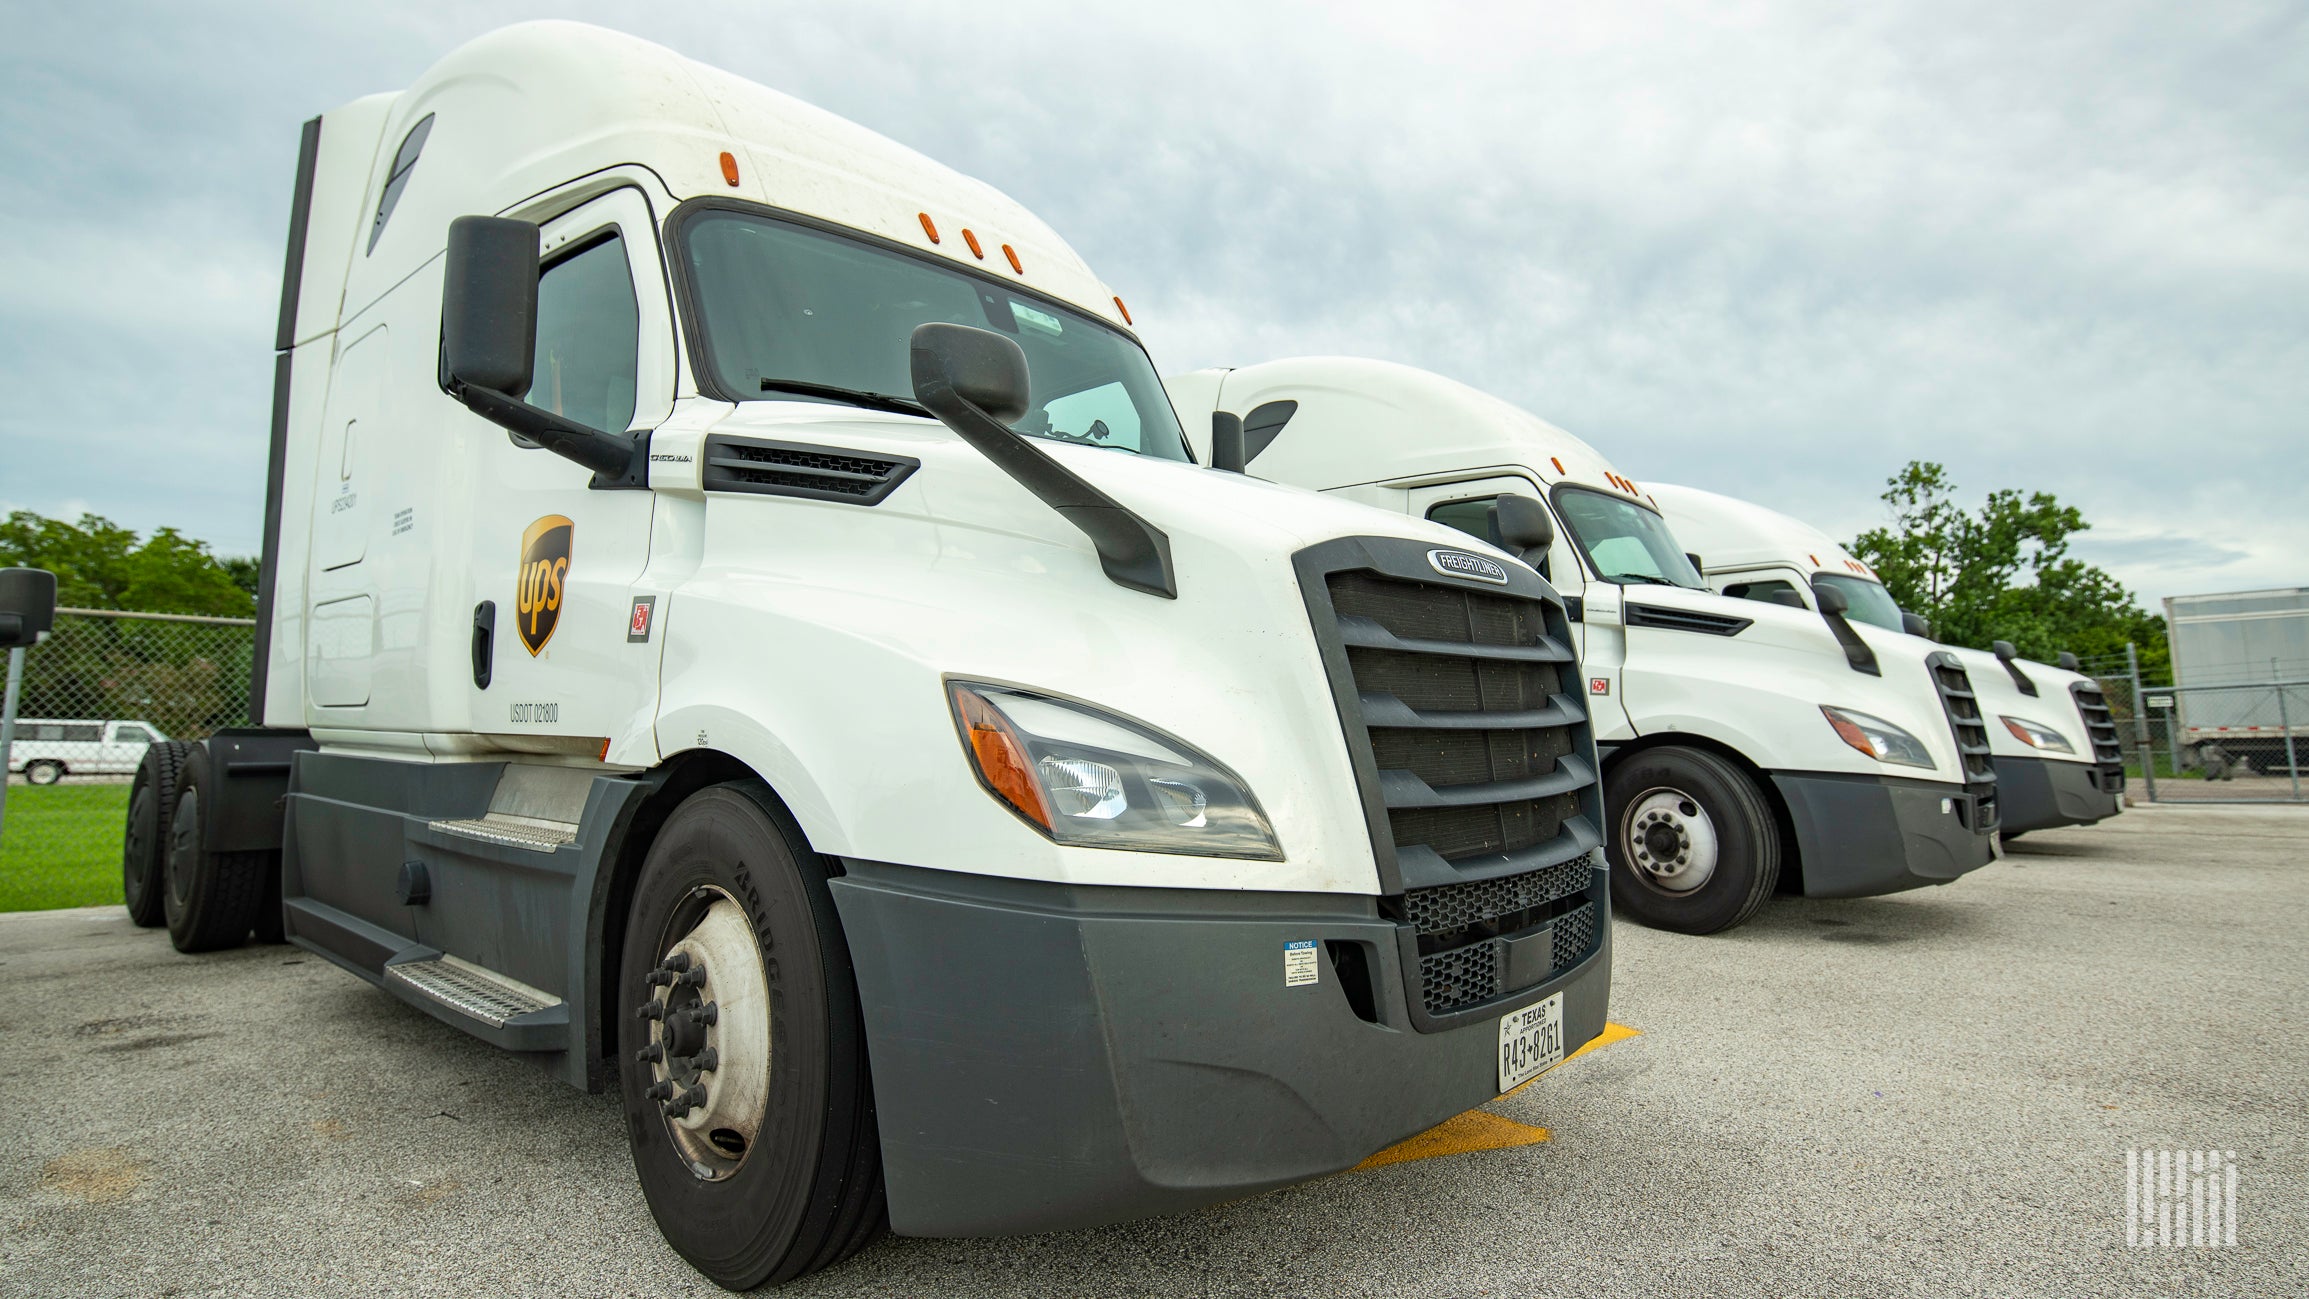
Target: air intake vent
[(1707, 624), (735, 464), (1970, 727), (1471, 739), (2101, 729)]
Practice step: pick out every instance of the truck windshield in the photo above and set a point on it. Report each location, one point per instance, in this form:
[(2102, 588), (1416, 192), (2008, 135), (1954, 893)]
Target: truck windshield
[(1870, 602), (791, 313), (1623, 541)]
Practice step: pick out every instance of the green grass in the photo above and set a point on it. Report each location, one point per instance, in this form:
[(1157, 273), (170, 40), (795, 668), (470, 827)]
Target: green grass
[(60, 846)]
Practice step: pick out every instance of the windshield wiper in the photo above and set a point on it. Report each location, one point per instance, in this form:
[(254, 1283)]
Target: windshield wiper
[(1645, 578), (850, 396)]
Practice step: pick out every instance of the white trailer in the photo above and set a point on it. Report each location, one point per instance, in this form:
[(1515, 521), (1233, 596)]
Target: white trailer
[(742, 628), (2234, 656), (1748, 747), (2057, 754)]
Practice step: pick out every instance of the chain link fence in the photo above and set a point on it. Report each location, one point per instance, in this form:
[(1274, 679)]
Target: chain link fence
[(2241, 742), (93, 696)]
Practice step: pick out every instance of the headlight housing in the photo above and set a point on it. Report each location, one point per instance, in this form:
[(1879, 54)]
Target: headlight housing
[(1093, 779), (1877, 738), (2037, 735)]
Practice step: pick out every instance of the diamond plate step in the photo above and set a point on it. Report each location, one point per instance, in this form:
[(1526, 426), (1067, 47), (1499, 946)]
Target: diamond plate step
[(479, 994), (529, 832)]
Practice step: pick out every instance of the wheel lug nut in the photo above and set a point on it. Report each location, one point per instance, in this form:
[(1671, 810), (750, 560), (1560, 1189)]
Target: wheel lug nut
[(706, 1061), (707, 1014), (651, 1054), (675, 963), (660, 1090), (691, 977), (650, 1010)]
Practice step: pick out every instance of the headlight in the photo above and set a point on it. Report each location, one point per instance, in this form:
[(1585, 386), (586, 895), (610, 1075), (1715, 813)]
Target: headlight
[(1877, 738), (1092, 779), (2037, 735)]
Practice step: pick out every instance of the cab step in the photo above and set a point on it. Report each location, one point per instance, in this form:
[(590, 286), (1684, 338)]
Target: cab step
[(493, 1006), (533, 833)]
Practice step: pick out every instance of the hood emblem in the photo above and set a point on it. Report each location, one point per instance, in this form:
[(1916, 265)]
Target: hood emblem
[(1474, 568)]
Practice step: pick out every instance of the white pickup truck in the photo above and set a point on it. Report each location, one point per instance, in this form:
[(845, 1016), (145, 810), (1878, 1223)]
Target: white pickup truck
[(47, 749)]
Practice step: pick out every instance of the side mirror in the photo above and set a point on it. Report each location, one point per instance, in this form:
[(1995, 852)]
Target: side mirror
[(489, 347), (1227, 452), (2068, 662), (1524, 524), (975, 382), (1915, 625), (2006, 654), (27, 606), (1263, 425), (1694, 561), (1833, 606)]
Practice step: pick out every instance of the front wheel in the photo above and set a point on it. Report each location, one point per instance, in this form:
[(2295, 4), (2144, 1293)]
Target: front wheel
[(43, 772), (1694, 846), (211, 899), (747, 1099)]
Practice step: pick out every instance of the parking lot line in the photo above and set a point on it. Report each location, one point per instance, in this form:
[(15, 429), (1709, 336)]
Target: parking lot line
[(1480, 1129)]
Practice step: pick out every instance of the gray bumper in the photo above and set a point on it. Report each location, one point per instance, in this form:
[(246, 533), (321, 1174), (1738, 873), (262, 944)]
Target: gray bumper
[(1050, 1057), (1858, 836), (2039, 794)]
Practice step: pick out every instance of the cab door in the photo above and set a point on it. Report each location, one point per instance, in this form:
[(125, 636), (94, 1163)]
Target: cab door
[(565, 656), (1599, 636)]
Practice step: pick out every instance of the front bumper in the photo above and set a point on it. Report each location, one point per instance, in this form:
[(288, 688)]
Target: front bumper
[(1859, 836), (1050, 1057), (2040, 793)]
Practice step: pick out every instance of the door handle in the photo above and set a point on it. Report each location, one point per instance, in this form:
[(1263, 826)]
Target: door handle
[(484, 642)]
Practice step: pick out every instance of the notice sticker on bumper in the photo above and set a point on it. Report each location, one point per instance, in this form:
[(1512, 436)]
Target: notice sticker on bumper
[(1299, 963)]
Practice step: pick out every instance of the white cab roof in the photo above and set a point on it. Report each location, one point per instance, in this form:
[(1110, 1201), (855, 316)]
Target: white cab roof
[(1729, 534), (1363, 421), (530, 108)]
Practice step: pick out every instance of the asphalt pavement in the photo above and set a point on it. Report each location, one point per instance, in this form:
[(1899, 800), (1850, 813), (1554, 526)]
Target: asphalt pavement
[(1929, 1094)]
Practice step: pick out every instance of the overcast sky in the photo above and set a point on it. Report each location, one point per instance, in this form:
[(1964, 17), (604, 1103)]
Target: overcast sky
[(1771, 249)]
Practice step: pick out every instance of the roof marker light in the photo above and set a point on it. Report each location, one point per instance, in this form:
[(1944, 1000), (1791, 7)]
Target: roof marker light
[(1125, 312), (1557, 463), (972, 240), (927, 227), (1012, 254), (1815, 560), (730, 168)]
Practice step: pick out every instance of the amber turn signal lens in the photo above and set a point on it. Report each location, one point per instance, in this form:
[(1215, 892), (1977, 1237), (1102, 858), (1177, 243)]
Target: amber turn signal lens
[(730, 168), (1001, 757)]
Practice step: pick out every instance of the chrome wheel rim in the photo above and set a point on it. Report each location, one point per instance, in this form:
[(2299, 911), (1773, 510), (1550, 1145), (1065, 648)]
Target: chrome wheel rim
[(708, 1053), (1670, 841)]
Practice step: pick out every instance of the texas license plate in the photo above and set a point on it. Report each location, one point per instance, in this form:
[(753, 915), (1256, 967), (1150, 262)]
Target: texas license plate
[(1530, 1042)]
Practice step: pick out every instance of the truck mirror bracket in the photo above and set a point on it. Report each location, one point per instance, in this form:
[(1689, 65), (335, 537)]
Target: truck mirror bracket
[(2006, 654), (955, 369), (1856, 652)]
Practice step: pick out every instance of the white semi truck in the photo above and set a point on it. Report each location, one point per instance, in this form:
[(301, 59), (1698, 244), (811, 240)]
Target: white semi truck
[(1747, 747), (2058, 757), (741, 627)]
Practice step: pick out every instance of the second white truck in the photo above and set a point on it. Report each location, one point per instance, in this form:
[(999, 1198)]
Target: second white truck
[(2058, 759), (1748, 747)]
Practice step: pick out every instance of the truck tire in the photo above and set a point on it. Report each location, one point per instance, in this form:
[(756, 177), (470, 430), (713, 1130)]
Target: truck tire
[(748, 1103), (212, 897), (144, 847), (1694, 846), (45, 771)]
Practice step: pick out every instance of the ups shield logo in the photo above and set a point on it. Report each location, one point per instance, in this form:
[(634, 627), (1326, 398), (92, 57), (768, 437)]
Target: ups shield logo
[(544, 571)]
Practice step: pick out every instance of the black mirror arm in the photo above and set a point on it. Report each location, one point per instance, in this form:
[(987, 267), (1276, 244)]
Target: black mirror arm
[(1856, 651), (616, 459), (1133, 552)]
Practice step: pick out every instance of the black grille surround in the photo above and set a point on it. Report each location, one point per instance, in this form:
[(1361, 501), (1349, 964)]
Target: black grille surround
[(1462, 708), (767, 468), (1969, 725), (2101, 733)]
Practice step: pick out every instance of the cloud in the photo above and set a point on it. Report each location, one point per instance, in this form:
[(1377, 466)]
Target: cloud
[(1774, 249)]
